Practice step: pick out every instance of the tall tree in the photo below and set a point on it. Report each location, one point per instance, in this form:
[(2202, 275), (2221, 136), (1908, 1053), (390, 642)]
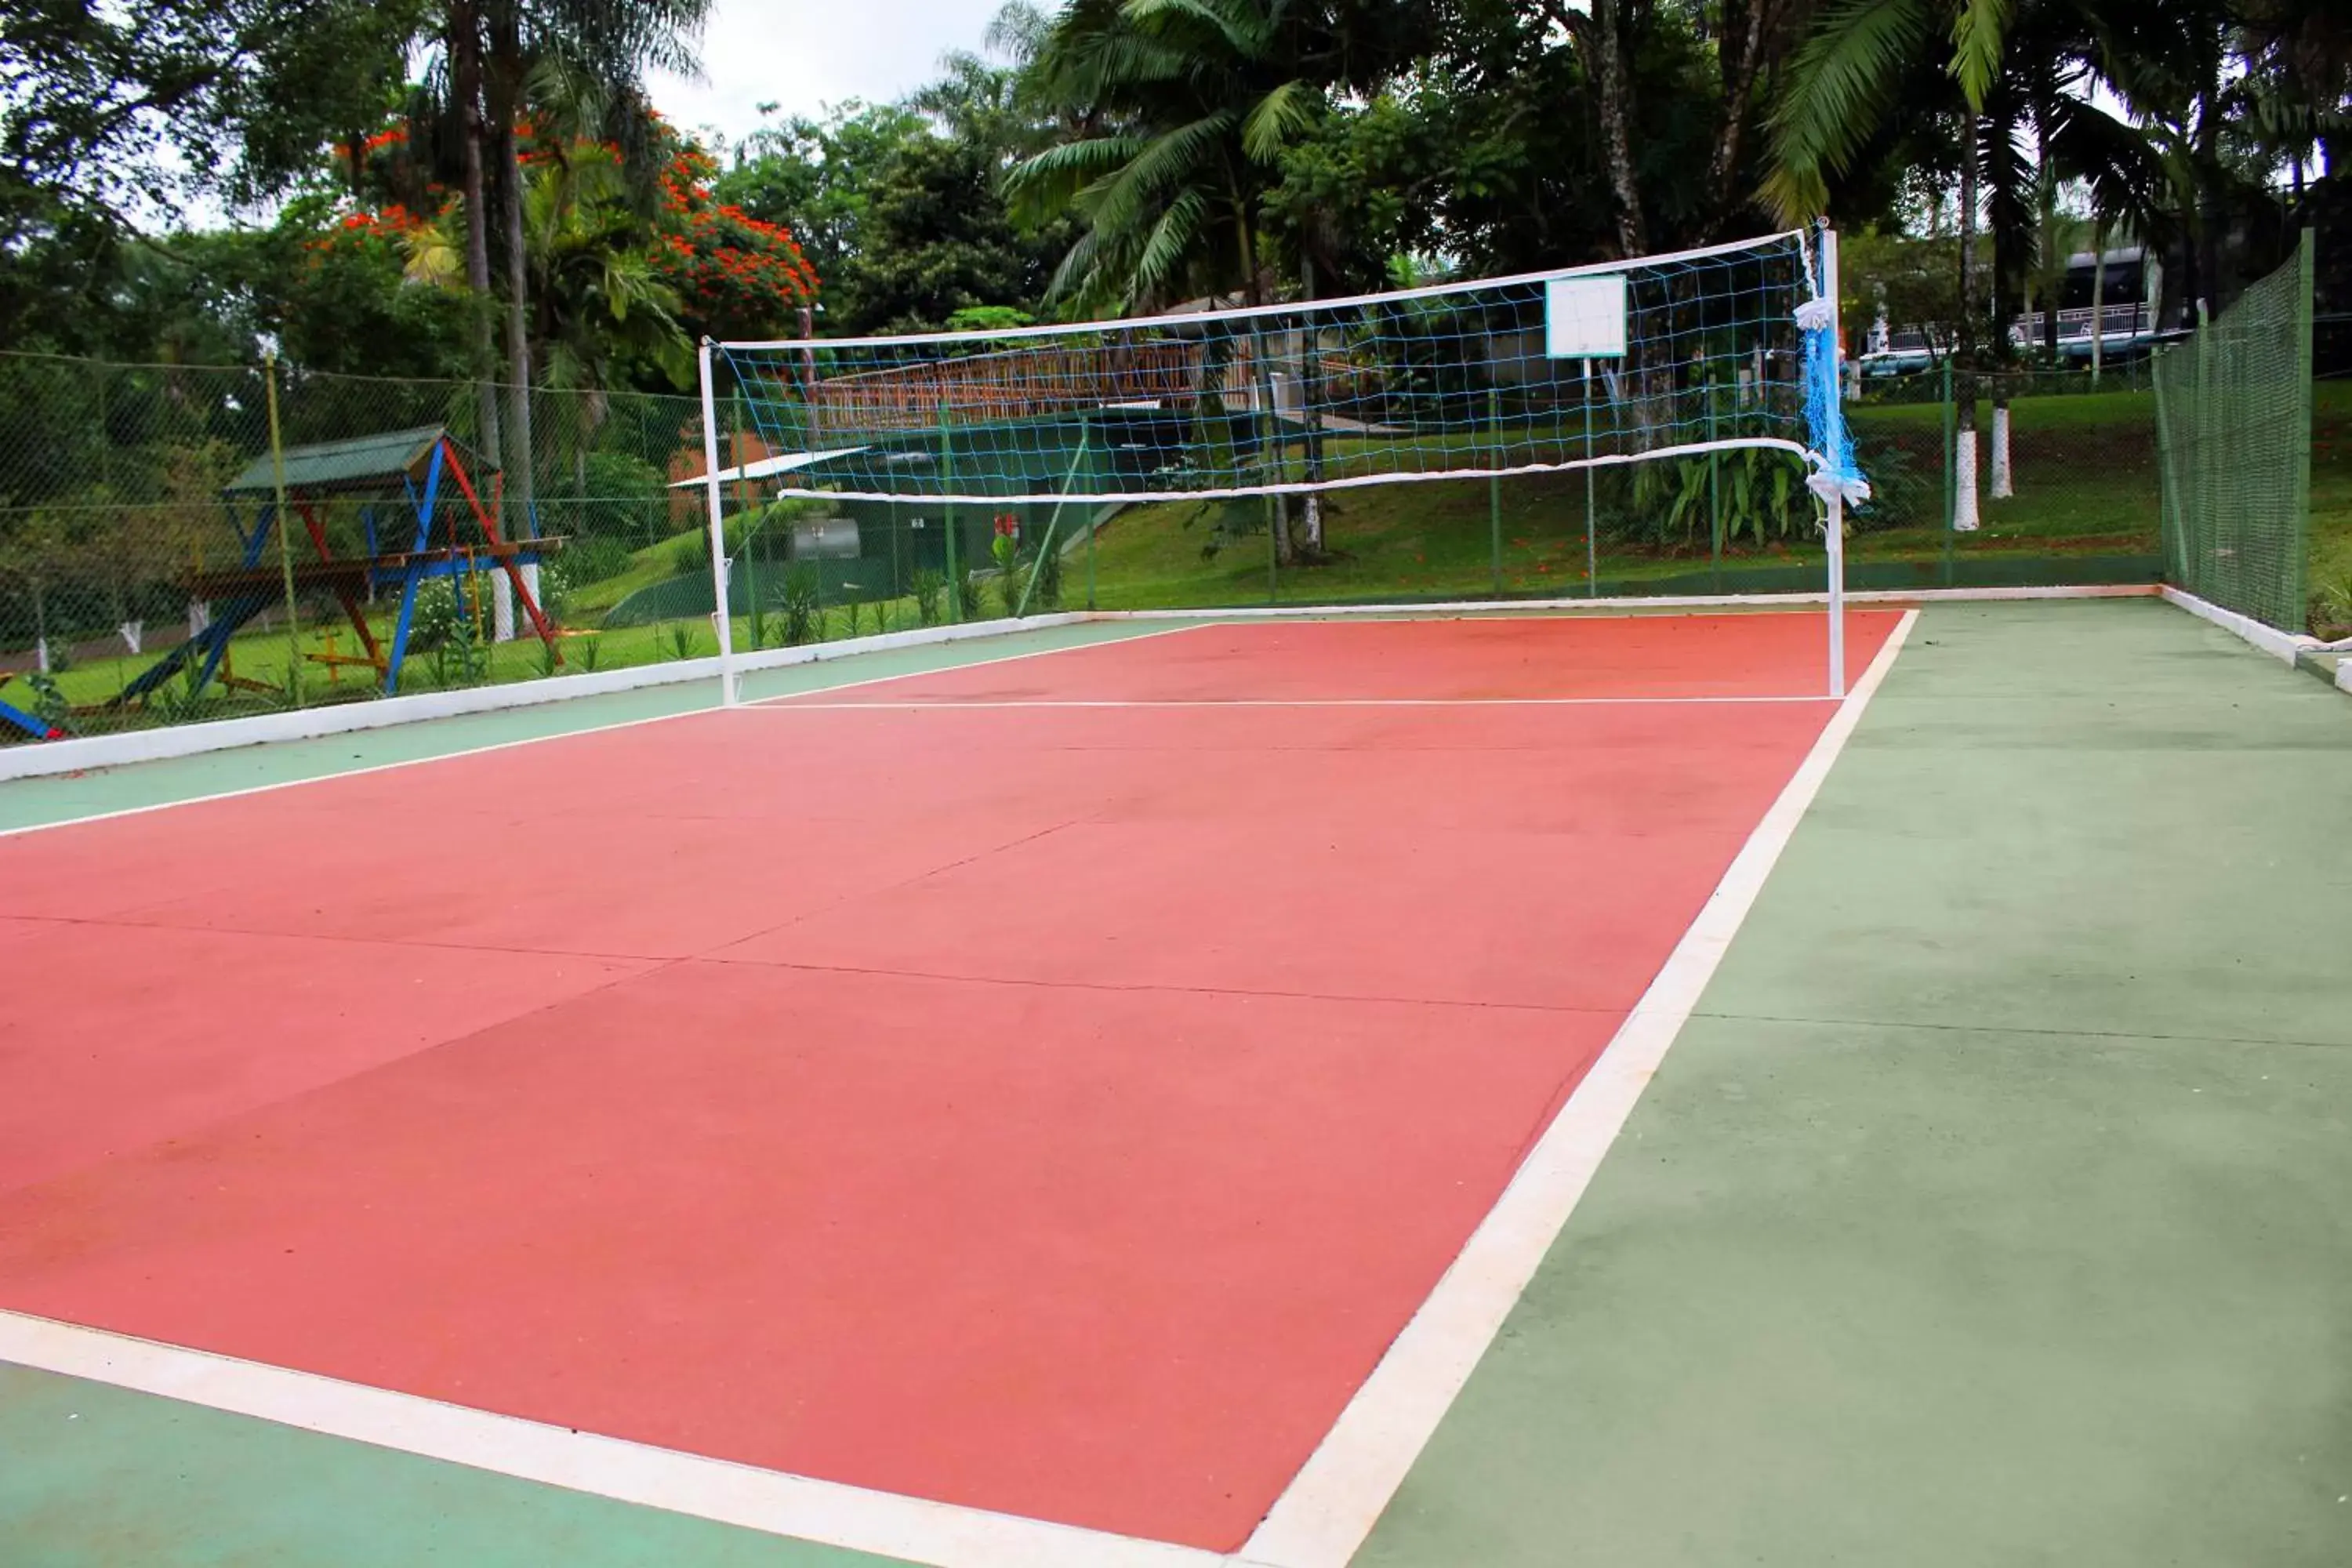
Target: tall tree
[(2023, 79), (1182, 111), (113, 116), (600, 51)]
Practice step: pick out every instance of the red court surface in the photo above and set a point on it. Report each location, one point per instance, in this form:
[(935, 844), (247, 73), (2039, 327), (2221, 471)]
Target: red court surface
[(1055, 1110)]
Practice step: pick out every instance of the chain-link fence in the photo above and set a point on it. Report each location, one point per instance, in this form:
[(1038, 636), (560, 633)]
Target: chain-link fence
[(144, 578), (2235, 403)]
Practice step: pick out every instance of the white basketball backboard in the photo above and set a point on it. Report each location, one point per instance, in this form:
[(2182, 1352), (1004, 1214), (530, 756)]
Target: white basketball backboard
[(1584, 318)]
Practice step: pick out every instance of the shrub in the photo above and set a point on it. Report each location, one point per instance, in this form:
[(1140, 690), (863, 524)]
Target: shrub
[(626, 498), (1046, 577), (929, 587), (803, 604), (595, 559)]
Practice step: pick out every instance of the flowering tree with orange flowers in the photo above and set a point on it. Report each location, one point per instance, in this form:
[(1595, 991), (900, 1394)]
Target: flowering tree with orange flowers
[(616, 293), (736, 277)]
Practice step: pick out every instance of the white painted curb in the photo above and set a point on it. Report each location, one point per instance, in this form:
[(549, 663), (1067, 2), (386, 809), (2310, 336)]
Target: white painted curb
[(72, 756), (2284, 646)]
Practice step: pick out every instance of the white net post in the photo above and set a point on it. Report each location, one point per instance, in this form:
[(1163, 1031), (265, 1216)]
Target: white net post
[(1835, 478), (719, 621), (1837, 492)]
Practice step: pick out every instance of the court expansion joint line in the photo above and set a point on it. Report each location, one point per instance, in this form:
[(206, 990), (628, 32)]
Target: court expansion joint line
[(789, 704), (1320, 1519)]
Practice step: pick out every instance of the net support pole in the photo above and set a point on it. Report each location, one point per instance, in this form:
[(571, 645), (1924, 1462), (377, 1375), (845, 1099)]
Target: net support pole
[(717, 504), (1837, 496)]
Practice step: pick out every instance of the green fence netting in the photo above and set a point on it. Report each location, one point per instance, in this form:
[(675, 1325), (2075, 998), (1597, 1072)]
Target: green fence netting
[(2233, 415)]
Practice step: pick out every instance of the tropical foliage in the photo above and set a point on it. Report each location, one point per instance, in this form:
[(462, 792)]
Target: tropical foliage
[(480, 189)]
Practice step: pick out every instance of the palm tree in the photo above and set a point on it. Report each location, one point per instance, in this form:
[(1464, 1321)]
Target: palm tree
[(1845, 82), (1186, 108), (2019, 76), (500, 60), (602, 51)]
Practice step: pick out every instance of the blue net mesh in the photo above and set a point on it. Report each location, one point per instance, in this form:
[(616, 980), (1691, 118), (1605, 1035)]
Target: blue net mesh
[(1830, 442)]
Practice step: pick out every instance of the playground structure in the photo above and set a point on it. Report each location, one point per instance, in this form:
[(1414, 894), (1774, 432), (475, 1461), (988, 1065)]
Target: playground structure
[(404, 471), (16, 717)]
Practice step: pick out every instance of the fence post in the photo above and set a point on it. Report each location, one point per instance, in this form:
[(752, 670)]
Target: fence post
[(2167, 480), (285, 543), (1495, 483), (2201, 490), (751, 607), (2307, 277), (1951, 473), (1592, 497), (1086, 445), (1714, 491), (947, 518)]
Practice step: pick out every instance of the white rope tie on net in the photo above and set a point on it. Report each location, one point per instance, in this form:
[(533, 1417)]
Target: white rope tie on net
[(1854, 490)]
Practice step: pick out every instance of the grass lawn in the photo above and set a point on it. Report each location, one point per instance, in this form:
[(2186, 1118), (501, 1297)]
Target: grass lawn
[(2086, 479), (2331, 487)]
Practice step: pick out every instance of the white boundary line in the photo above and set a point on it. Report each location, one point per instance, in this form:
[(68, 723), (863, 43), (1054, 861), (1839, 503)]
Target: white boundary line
[(568, 734), (1330, 1508), (941, 1534), (1617, 606), (1321, 1518)]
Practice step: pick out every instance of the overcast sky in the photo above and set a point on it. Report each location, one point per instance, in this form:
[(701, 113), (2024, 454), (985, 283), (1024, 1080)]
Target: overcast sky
[(805, 54)]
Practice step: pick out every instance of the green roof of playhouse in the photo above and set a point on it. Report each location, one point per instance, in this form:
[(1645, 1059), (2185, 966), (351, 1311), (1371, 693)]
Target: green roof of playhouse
[(356, 463)]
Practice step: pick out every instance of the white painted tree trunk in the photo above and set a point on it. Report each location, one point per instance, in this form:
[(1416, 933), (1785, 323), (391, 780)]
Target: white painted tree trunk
[(1965, 515), (2004, 478), (502, 608), (41, 654), (1311, 536)]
